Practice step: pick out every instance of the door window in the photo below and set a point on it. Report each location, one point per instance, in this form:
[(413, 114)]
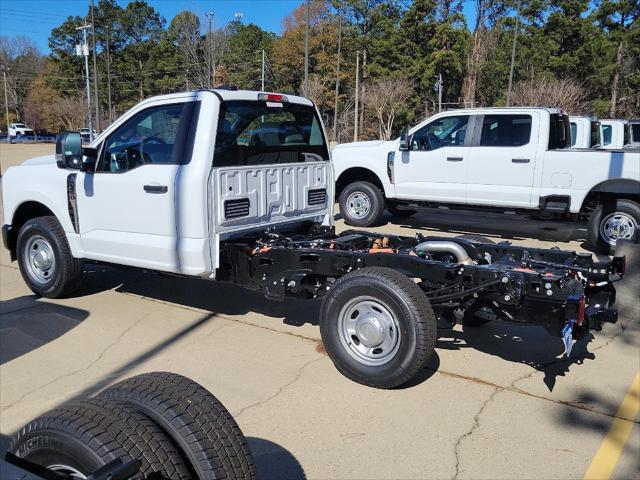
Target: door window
[(606, 134), (505, 130), (444, 132), (147, 138)]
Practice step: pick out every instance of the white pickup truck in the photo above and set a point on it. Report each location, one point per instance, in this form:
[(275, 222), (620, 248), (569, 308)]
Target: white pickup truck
[(514, 159), (585, 132), (237, 186), (615, 133)]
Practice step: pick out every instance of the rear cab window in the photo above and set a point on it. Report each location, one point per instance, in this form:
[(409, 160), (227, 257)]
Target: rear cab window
[(559, 132), (512, 130), (262, 133), (606, 134)]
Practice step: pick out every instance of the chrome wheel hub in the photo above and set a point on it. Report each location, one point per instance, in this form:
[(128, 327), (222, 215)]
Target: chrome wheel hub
[(359, 205), (368, 331), (39, 259), (616, 226)]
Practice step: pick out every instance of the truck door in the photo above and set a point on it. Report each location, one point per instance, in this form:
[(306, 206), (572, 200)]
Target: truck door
[(126, 207), (434, 168), (502, 160)]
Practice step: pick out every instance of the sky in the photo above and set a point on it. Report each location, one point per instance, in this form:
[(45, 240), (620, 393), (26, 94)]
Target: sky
[(36, 18)]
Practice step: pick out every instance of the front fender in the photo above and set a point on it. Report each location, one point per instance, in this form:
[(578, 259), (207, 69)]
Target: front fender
[(46, 185)]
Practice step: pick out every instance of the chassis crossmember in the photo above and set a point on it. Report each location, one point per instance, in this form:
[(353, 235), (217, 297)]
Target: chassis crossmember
[(493, 280)]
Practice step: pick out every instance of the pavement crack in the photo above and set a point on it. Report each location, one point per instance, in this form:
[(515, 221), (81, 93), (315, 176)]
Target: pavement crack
[(86, 367), (474, 427), (281, 389)]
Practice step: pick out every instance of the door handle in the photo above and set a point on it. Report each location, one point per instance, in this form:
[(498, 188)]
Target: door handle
[(156, 188), (454, 159), (520, 160)]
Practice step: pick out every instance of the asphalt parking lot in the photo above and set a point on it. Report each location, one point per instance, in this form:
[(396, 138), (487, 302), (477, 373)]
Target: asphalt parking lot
[(497, 401)]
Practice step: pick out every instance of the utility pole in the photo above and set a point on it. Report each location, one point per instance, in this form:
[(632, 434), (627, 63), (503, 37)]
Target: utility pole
[(355, 116), (335, 103), (83, 50), (109, 76), (95, 68), (262, 85), (513, 54), (209, 15), (6, 97), (306, 49)]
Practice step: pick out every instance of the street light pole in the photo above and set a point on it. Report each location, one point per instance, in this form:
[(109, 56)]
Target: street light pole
[(355, 116), (83, 50), (210, 54), (335, 103), (6, 97), (306, 49), (262, 84), (513, 55), (95, 68)]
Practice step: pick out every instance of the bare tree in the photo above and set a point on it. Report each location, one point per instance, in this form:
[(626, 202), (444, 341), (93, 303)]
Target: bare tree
[(385, 97), (567, 94), (20, 57), (72, 111), (484, 42)]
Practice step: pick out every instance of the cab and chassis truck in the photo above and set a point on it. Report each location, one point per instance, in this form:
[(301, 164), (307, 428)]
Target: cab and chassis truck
[(238, 186)]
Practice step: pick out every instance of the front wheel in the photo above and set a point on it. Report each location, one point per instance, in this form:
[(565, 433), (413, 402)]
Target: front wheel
[(612, 221), (378, 327), (45, 259), (361, 204)]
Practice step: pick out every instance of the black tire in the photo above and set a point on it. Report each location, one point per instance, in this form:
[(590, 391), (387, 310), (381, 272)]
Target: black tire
[(400, 212), (370, 195), (407, 304), (87, 434), (475, 238), (627, 208), (200, 425), (64, 277)]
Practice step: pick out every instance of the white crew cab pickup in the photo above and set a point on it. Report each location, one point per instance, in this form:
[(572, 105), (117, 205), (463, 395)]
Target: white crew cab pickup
[(585, 132), (237, 186), (492, 158), (615, 133)]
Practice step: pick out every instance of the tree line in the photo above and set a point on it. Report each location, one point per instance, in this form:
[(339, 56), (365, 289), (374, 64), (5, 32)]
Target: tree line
[(575, 54)]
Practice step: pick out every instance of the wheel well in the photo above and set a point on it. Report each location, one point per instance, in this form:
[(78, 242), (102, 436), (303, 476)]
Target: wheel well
[(354, 175), (25, 212), (596, 197)]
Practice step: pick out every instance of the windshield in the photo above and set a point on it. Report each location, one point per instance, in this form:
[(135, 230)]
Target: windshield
[(255, 132), (20, 125)]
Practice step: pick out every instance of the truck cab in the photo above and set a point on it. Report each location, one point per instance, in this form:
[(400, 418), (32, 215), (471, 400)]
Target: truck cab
[(585, 132), (177, 175), (615, 133)]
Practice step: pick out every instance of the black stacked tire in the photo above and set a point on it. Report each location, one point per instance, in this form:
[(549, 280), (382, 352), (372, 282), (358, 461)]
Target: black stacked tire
[(84, 435), (202, 427), (63, 276), (361, 204), (396, 294)]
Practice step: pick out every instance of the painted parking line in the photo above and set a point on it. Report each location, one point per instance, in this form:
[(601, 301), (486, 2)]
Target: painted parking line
[(607, 455)]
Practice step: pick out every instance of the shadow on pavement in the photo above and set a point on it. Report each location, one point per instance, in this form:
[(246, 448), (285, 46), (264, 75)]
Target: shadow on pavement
[(274, 461), (492, 225), (28, 322), (211, 296)]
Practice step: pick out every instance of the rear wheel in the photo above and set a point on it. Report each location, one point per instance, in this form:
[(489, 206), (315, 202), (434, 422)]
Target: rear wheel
[(378, 327), (612, 221), (361, 204), (45, 259)]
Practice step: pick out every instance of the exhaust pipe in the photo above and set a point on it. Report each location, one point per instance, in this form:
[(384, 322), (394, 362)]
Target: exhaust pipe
[(446, 247)]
